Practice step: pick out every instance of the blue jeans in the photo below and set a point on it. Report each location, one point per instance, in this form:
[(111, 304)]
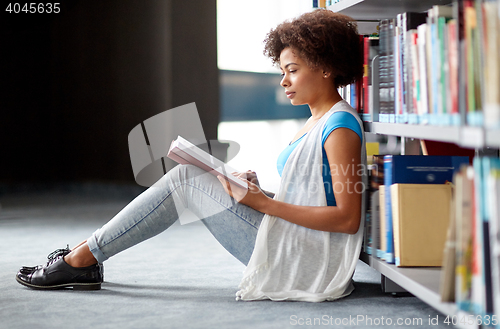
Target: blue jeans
[(233, 224)]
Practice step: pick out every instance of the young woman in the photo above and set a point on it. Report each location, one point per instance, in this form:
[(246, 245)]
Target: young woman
[(303, 243)]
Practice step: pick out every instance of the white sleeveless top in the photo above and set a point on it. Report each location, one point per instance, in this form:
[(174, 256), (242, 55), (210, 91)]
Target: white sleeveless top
[(292, 262)]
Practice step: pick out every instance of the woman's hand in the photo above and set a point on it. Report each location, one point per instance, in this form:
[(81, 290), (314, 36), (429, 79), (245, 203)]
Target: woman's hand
[(252, 197), (248, 175)]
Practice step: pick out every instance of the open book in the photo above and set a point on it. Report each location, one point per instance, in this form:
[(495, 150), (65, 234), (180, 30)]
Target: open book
[(185, 152)]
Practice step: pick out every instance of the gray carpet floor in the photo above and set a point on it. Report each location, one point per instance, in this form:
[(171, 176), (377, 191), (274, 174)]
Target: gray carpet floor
[(180, 279)]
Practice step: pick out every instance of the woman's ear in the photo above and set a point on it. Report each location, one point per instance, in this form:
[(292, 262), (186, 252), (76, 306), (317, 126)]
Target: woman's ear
[(326, 74)]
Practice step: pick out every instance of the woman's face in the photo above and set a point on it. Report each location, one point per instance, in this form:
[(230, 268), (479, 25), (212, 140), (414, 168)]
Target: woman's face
[(302, 84)]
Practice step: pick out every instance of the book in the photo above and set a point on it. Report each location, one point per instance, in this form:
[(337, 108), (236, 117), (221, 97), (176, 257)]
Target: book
[(430, 69), (414, 169), (359, 88), (413, 78), (473, 103), (479, 48), (491, 25), (366, 55), (458, 14), (452, 94), (371, 208), (383, 236), (184, 152), (478, 265), (421, 214), (447, 276), (386, 71), (398, 72), (464, 182), (407, 21), (366, 244), (487, 165), (423, 104), (352, 88), (437, 17), (376, 188), (375, 223), (493, 186), (443, 83), (389, 237), (371, 49)]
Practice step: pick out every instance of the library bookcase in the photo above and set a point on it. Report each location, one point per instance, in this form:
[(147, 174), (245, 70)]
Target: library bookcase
[(421, 282)]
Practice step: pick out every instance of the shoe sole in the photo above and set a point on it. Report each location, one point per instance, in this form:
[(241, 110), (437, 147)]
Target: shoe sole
[(75, 286)]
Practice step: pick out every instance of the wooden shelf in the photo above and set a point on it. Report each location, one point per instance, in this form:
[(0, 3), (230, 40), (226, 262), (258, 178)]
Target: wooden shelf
[(382, 9), (466, 136)]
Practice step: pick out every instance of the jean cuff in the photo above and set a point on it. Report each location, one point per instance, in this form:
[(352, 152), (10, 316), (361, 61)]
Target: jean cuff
[(94, 248)]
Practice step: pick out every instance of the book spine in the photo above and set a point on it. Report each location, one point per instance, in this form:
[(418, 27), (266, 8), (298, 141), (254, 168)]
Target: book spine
[(414, 96), (348, 94), (353, 95), (443, 60), (429, 66), (386, 100), (459, 9), (378, 200), (422, 63), (359, 87), (487, 164), (403, 74), (436, 70), (366, 48), (478, 292), (388, 181), (383, 237), (391, 110), (470, 26), (375, 228), (479, 49), (398, 72), (464, 240), (407, 76), (395, 202), (453, 67), (409, 22), (494, 211), (447, 282), (367, 239), (491, 16)]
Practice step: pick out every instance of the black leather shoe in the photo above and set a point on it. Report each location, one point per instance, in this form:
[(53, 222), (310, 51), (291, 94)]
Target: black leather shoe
[(57, 274), (52, 257)]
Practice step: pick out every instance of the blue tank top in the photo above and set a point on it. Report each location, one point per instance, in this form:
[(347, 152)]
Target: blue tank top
[(340, 119)]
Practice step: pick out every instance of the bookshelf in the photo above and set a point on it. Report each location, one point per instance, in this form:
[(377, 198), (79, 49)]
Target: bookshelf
[(381, 9), (466, 136), (421, 282)]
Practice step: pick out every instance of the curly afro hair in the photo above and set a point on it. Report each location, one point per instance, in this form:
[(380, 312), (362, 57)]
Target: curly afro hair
[(325, 40)]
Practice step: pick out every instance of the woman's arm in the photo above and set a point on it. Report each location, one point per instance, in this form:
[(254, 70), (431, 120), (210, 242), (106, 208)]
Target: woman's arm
[(343, 149)]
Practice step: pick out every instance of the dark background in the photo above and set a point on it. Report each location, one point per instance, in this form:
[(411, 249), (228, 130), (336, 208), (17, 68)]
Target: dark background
[(73, 84)]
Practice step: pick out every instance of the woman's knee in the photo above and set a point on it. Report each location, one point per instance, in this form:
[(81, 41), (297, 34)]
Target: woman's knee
[(184, 173)]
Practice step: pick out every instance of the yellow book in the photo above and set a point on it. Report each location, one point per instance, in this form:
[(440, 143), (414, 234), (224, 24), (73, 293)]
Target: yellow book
[(371, 150), (421, 213)]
